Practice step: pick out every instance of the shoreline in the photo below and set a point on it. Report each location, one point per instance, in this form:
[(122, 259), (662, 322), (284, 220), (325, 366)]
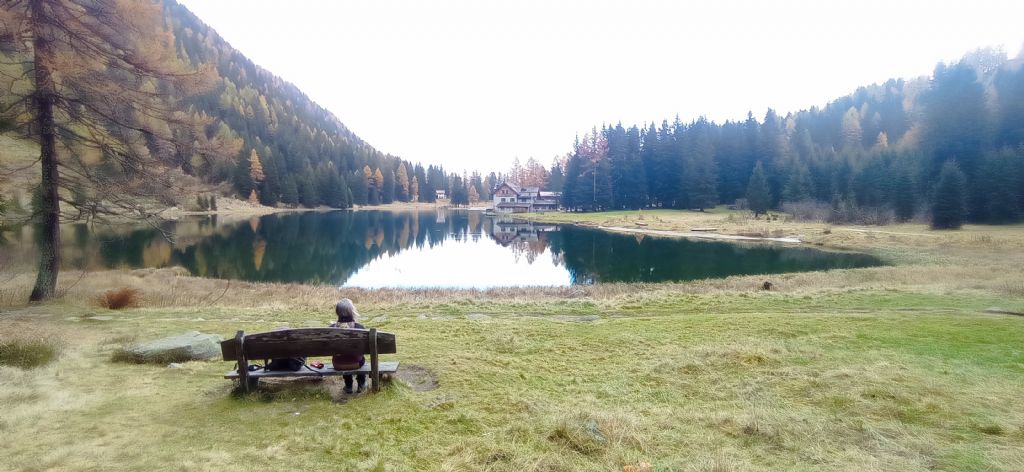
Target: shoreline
[(698, 235)]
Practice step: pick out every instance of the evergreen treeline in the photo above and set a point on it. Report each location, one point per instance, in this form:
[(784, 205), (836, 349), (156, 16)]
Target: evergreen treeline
[(880, 149), (287, 148)]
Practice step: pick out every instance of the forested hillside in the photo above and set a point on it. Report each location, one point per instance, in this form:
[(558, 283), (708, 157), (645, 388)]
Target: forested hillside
[(874, 155), (302, 154)]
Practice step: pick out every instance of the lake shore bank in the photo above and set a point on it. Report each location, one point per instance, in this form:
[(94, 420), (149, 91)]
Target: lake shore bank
[(719, 369)]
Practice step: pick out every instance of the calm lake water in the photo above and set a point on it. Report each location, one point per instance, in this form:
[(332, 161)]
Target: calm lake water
[(419, 249)]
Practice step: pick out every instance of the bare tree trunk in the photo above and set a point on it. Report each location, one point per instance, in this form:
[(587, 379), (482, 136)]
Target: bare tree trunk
[(48, 215)]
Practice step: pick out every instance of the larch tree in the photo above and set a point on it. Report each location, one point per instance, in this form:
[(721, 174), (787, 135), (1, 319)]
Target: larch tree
[(95, 82), (255, 175), (414, 189), (402, 179), (378, 180), (852, 132)]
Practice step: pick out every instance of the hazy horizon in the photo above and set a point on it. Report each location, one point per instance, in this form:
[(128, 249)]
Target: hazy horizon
[(473, 85)]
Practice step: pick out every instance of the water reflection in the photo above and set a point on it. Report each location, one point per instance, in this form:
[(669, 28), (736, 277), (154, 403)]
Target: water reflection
[(417, 249)]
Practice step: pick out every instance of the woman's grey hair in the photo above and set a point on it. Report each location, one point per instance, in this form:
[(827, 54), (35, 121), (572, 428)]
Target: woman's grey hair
[(346, 311)]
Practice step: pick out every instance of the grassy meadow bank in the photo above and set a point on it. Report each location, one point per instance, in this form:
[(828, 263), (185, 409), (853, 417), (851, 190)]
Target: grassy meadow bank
[(901, 367)]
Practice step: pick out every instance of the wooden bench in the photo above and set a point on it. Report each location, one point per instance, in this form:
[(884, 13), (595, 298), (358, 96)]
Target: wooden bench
[(308, 342)]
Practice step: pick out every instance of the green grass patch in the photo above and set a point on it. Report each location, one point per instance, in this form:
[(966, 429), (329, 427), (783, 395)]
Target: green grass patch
[(28, 353)]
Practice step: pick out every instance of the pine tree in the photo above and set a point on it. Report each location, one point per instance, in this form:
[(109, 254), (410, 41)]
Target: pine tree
[(798, 185), (556, 179), (389, 191), (308, 195), (290, 192), (360, 188), (904, 202), (570, 191), (949, 202), (702, 175), (334, 190), (421, 178), (759, 195), (1001, 176)]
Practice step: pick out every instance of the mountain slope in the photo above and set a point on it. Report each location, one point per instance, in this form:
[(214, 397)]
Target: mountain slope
[(307, 155), (867, 157)]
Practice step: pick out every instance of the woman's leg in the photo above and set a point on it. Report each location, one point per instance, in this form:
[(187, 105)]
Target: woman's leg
[(348, 383), (361, 378)]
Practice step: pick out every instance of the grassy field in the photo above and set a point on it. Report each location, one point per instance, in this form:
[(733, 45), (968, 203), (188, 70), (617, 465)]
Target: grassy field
[(886, 368)]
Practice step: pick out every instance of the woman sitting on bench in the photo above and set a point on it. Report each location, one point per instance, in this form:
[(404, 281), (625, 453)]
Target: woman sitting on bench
[(347, 316)]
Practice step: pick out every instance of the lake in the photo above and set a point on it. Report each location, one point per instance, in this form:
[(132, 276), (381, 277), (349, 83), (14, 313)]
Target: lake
[(443, 248)]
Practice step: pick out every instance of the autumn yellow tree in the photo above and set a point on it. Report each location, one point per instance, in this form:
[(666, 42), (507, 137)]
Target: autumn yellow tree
[(255, 174), (95, 82), (852, 133), (378, 179), (403, 182)]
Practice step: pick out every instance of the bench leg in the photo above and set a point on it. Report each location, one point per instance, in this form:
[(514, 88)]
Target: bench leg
[(251, 384)]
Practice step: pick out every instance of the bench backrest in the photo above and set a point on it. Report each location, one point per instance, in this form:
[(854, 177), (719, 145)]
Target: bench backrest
[(306, 342)]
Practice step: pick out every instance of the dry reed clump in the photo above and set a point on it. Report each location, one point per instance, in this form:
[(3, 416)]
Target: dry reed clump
[(580, 433), (593, 433), (120, 298), (26, 346)]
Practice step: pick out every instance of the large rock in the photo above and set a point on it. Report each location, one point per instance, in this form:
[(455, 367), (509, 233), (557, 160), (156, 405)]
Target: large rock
[(190, 346)]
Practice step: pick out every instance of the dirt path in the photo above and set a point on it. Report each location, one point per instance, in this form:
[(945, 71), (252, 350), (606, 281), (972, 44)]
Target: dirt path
[(875, 231), (697, 235)]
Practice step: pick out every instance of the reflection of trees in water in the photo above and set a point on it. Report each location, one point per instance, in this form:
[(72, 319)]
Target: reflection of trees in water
[(595, 256), (330, 247)]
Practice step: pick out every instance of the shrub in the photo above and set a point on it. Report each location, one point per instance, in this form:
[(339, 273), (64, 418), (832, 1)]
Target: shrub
[(808, 210), (119, 298), (28, 353)]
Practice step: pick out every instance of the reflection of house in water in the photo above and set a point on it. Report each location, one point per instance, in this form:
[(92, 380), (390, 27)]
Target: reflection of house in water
[(507, 232), (510, 198)]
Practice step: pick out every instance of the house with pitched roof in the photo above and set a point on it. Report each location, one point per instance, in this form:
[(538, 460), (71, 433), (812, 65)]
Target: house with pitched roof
[(511, 198)]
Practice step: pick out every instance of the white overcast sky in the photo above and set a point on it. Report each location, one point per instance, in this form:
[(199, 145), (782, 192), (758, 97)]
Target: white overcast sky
[(474, 83)]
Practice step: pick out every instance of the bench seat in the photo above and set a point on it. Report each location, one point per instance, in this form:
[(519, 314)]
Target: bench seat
[(385, 368)]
